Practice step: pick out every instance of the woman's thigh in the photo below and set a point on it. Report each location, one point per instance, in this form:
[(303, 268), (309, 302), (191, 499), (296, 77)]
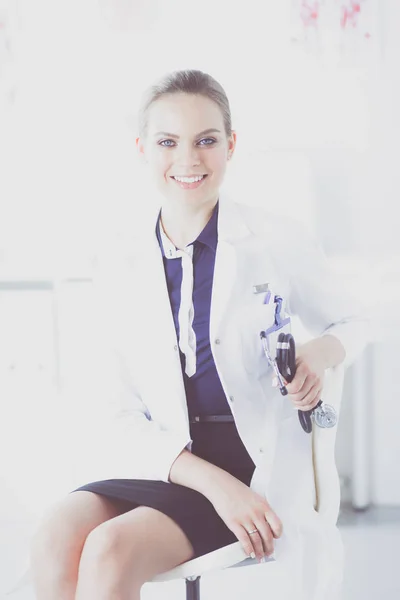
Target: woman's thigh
[(64, 528), (132, 548)]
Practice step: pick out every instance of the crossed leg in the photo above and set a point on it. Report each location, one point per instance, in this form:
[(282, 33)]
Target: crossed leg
[(90, 548), (122, 554)]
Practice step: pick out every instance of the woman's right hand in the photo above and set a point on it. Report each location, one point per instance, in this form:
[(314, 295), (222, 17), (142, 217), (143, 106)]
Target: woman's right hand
[(242, 510)]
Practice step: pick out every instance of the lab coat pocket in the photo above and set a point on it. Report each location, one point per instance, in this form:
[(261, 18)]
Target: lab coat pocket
[(253, 320)]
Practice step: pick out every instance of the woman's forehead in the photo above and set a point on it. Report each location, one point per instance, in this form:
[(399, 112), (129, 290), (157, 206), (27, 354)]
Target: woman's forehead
[(186, 111)]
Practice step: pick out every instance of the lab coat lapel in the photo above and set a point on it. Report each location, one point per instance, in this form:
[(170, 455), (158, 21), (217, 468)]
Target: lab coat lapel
[(224, 279), (144, 287), (154, 286), (231, 228), (147, 291)]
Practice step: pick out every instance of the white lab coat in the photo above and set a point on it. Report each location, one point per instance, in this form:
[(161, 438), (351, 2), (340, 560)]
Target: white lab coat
[(295, 471), (254, 247)]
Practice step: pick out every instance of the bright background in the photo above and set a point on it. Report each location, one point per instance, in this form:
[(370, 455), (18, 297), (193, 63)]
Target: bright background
[(314, 89)]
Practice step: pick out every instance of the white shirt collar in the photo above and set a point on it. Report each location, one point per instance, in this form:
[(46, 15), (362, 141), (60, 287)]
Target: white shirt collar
[(169, 248)]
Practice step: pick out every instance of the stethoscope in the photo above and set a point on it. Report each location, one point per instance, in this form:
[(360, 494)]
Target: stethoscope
[(324, 415)]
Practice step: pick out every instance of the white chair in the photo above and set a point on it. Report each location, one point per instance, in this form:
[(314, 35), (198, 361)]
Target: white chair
[(227, 557), (327, 502)]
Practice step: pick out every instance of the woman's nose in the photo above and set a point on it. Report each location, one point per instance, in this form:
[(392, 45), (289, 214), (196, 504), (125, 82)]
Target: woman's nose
[(188, 156)]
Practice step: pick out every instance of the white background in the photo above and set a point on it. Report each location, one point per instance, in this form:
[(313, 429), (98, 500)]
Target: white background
[(318, 127)]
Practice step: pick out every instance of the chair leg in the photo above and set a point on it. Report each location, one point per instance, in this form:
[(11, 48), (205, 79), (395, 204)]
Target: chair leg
[(193, 588)]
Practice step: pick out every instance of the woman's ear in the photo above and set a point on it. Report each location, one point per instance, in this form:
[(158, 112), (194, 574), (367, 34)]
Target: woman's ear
[(140, 149), (231, 144)]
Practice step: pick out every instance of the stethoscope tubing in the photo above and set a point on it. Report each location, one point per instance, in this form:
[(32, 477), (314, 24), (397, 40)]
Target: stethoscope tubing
[(286, 363)]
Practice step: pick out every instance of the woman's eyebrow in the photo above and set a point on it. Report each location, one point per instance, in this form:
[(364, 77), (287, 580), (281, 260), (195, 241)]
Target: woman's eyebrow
[(172, 135)]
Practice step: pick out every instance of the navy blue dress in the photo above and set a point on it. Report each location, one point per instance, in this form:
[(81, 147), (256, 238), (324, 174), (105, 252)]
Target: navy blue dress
[(219, 442)]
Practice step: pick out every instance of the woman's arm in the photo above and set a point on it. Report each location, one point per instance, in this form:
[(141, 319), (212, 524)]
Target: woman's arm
[(329, 305), (329, 348), (196, 473), (241, 508), (331, 308), (312, 359)]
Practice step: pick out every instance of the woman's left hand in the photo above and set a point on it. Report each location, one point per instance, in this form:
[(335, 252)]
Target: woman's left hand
[(305, 389)]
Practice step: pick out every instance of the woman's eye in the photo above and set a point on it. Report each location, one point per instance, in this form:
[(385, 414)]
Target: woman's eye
[(163, 143), (207, 140)]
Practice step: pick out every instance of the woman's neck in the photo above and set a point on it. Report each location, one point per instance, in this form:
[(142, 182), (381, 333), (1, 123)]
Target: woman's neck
[(183, 226)]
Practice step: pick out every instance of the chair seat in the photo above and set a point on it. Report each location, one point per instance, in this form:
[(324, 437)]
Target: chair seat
[(232, 555)]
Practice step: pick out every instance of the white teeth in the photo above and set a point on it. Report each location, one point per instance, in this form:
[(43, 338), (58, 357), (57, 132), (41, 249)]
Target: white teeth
[(189, 179)]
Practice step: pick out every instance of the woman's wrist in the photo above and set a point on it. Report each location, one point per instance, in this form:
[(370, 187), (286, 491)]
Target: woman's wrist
[(329, 348)]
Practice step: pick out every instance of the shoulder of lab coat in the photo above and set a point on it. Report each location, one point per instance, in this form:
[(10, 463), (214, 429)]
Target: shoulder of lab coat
[(325, 301)]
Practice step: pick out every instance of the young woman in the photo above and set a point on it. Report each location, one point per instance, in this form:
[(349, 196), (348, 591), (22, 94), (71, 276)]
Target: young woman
[(199, 429)]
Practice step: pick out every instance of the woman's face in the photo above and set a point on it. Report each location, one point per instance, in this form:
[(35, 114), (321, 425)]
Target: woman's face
[(186, 138)]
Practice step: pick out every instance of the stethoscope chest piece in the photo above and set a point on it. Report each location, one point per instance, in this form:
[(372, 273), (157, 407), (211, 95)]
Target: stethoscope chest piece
[(325, 416)]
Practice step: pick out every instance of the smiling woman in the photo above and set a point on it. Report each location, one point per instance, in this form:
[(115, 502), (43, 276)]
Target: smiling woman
[(185, 139), (196, 442)]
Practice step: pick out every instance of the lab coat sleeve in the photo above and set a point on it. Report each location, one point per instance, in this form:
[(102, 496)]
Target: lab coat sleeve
[(328, 303), (146, 450)]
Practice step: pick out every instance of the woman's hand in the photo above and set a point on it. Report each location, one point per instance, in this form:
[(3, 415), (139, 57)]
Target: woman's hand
[(243, 510), (305, 389), (312, 359)]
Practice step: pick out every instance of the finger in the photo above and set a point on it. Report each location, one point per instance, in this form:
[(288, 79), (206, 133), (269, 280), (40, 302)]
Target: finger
[(309, 407), (307, 398), (274, 535), (245, 539), (306, 389), (295, 386), (256, 541), (311, 400), (274, 522), (266, 536), (275, 381)]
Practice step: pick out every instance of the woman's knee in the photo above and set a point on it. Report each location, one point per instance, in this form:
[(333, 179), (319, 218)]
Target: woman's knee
[(65, 527), (133, 548), (56, 540), (109, 566), (105, 545)]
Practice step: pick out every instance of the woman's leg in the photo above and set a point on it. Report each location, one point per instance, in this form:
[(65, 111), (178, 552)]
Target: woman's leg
[(57, 545), (125, 552)]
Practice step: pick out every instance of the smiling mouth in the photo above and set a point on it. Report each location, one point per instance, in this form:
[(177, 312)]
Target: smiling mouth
[(188, 178)]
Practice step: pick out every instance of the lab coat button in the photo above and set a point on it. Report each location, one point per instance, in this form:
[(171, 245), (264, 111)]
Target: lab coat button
[(175, 347), (231, 398), (217, 341), (261, 450)]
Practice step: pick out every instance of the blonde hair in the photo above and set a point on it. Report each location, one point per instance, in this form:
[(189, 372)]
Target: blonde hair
[(186, 82)]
